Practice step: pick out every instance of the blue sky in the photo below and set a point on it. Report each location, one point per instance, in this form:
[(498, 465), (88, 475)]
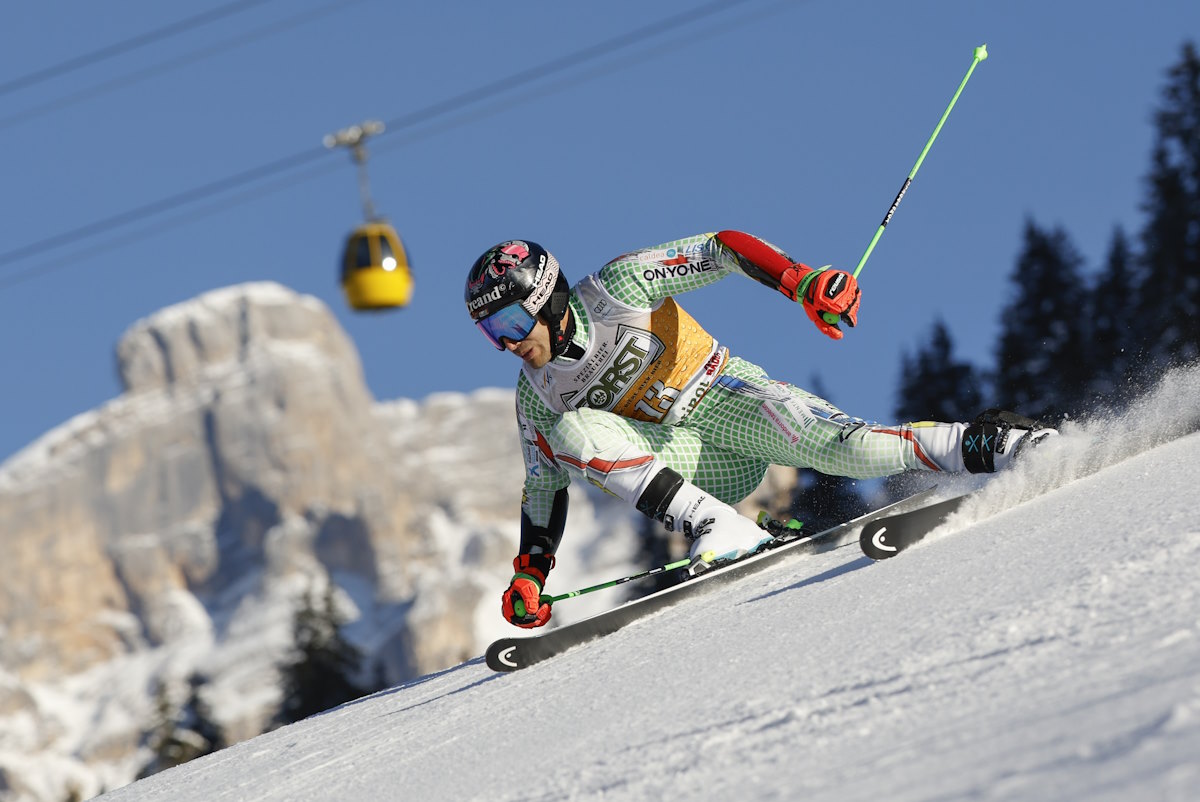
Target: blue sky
[(796, 121)]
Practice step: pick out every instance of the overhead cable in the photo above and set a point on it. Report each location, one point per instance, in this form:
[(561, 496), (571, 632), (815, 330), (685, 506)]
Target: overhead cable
[(607, 47), (141, 40)]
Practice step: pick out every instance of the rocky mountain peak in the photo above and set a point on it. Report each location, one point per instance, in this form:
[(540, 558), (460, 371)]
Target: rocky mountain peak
[(225, 329)]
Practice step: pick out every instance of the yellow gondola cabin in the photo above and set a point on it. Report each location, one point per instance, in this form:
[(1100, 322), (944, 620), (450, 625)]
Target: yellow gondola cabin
[(375, 271)]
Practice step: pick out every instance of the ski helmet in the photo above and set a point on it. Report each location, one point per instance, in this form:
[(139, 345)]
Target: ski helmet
[(511, 286)]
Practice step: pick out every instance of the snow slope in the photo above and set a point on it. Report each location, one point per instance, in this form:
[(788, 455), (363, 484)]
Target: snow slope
[(1045, 645)]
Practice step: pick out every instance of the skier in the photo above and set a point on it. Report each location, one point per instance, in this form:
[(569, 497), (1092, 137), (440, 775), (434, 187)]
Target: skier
[(624, 389)]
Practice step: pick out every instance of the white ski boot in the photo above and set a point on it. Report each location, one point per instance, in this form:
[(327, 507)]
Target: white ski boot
[(723, 535)]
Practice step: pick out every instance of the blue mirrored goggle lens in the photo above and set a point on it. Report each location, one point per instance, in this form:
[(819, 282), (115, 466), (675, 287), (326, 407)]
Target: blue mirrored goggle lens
[(512, 322)]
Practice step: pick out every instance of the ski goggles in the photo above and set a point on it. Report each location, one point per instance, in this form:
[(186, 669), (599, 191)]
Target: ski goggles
[(511, 321)]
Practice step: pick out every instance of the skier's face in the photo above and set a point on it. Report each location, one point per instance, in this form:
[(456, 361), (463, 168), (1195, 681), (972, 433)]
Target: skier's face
[(534, 349)]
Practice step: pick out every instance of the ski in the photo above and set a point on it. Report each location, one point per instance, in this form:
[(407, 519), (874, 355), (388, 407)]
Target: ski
[(891, 534), (511, 654)]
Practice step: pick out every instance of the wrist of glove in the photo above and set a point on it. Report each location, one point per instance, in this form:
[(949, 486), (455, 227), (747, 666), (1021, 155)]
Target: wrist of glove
[(521, 604), (829, 297)]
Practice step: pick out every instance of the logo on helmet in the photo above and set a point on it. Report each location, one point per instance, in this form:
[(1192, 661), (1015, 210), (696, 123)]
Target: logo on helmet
[(475, 304), (508, 255), (496, 262)]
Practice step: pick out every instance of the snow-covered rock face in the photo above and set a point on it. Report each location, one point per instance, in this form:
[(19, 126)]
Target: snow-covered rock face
[(172, 529), (246, 412), (186, 344)]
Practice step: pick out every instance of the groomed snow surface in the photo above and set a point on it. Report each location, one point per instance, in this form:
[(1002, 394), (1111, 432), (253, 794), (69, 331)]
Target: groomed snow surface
[(1044, 645)]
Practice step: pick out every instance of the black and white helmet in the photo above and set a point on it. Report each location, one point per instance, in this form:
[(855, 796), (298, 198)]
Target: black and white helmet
[(523, 275)]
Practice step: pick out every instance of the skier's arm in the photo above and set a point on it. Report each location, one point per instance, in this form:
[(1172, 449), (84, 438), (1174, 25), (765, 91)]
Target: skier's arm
[(540, 541), (820, 290), (643, 278), (761, 261), (543, 513), (544, 500)]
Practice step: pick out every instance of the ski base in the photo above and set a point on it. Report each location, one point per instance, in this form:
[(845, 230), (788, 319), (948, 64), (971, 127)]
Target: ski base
[(511, 654), (889, 535)]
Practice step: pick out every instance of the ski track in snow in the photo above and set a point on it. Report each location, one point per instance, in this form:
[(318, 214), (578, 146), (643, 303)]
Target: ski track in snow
[(1044, 645)]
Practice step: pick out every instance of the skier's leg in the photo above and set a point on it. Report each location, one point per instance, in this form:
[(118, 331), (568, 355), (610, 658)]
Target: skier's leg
[(749, 413), (622, 456), (668, 473)]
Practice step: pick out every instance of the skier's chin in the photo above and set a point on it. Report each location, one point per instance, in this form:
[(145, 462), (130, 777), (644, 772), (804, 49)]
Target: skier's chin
[(535, 358)]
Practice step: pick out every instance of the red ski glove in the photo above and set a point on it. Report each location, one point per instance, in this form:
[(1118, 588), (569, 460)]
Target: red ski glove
[(521, 603), (831, 291)]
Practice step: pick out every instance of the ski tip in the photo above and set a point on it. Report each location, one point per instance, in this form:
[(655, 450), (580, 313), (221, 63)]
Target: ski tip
[(504, 655), (875, 542)]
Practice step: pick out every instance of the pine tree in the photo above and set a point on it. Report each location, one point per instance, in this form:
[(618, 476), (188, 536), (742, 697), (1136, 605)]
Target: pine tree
[(1115, 336), (182, 733), (936, 386), (1043, 360), (322, 669), (200, 718), (1168, 309)]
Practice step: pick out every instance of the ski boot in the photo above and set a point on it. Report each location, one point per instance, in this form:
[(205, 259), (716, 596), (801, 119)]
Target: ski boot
[(995, 436), (722, 537)]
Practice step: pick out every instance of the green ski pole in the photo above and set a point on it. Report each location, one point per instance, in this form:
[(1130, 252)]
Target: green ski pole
[(773, 527), (980, 54), (613, 583), (519, 606)]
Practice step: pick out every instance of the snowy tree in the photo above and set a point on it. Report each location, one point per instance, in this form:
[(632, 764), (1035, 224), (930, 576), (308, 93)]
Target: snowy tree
[(1043, 363), (321, 671), (182, 732), (1168, 309), (1115, 337), (936, 386)]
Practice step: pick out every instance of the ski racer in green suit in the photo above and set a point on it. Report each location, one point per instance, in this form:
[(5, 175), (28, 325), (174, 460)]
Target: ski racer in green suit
[(620, 387)]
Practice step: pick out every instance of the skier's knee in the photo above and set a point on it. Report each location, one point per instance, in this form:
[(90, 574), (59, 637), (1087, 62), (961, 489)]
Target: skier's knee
[(579, 431), (590, 443)]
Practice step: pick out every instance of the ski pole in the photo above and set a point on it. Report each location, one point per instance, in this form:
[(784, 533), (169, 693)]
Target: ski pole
[(765, 521), (519, 606), (614, 582), (980, 54)]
